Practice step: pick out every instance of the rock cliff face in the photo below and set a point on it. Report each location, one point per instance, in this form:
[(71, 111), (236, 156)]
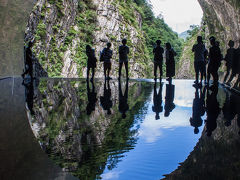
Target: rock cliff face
[(223, 21), (223, 18), (63, 28)]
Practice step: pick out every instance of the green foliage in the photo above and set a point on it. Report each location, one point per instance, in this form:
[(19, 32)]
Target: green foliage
[(194, 29), (41, 29), (59, 6), (155, 28)]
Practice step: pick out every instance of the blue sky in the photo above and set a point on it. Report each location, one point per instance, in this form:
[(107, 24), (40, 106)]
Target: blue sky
[(178, 14)]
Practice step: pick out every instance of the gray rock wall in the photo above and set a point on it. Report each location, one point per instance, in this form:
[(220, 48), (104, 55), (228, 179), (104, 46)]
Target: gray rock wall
[(13, 18), (223, 20)]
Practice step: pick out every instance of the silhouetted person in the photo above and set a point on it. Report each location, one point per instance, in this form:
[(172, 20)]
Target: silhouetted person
[(229, 58), (205, 66), (213, 110), (28, 61), (107, 56), (29, 95), (92, 60), (199, 59), (105, 100), (170, 61), (92, 98), (123, 57), (158, 59), (123, 100), (235, 64), (157, 101), (198, 110), (229, 109), (215, 58), (169, 105)]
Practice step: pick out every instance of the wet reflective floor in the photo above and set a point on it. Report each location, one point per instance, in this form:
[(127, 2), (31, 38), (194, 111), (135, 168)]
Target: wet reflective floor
[(73, 129)]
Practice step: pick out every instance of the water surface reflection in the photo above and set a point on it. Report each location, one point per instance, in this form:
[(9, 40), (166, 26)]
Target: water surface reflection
[(120, 129)]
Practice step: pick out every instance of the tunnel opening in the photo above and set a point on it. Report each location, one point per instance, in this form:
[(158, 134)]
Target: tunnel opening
[(61, 30), (58, 41)]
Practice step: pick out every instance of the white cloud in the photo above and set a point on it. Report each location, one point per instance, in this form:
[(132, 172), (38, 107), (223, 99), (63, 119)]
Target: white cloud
[(178, 14), (152, 129), (111, 175)]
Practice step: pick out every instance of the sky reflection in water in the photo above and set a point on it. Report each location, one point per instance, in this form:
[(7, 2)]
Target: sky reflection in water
[(163, 143)]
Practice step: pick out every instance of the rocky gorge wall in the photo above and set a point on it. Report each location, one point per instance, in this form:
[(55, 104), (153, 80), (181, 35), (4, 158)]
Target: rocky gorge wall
[(61, 30), (223, 20)]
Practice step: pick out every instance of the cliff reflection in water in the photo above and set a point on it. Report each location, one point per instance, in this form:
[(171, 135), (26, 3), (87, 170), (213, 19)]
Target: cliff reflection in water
[(87, 126)]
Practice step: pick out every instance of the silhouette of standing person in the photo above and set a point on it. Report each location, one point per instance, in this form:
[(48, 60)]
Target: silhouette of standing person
[(205, 66), (123, 57), (170, 62), (158, 59), (169, 98), (123, 100), (92, 98), (235, 64), (229, 58), (215, 58), (199, 59), (213, 110), (198, 110), (157, 101), (29, 61), (105, 100), (107, 56), (92, 60)]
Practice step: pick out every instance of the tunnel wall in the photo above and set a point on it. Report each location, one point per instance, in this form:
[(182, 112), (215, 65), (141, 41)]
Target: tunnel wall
[(13, 20)]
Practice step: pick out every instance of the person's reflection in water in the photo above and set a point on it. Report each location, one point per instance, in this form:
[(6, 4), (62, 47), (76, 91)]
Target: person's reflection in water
[(213, 110), (238, 123), (229, 109), (169, 105), (105, 100), (92, 98), (198, 110), (157, 100), (29, 94), (123, 99)]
